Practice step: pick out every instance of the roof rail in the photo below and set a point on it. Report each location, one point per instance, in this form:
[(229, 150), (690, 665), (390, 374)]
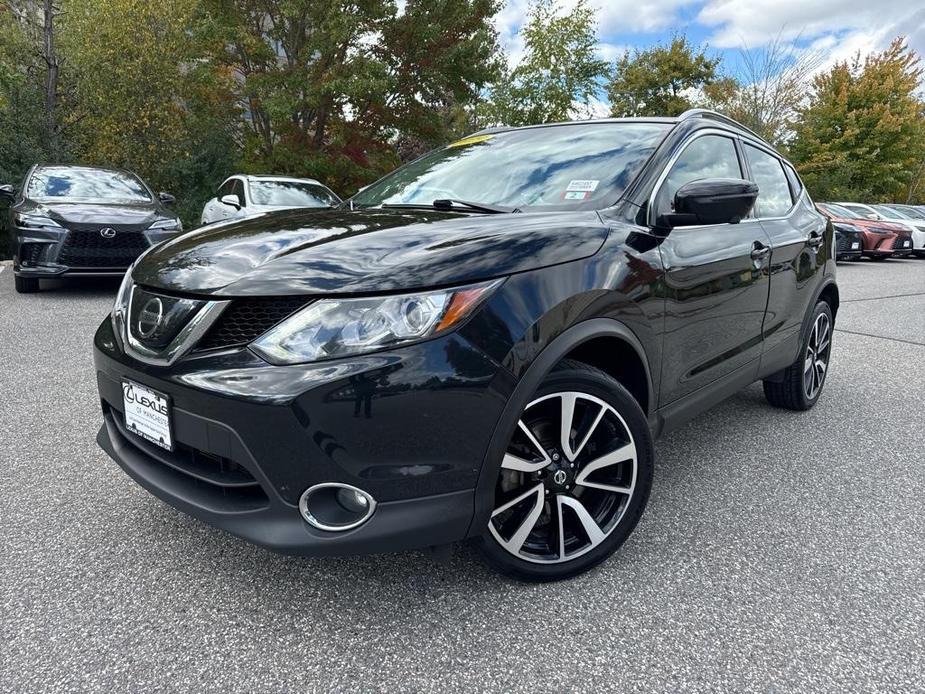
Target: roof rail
[(713, 115)]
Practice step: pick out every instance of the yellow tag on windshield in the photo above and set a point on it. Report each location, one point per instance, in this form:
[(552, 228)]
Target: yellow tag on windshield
[(475, 139)]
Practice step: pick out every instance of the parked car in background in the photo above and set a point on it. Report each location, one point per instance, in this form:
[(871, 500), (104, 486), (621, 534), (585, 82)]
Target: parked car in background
[(80, 220), (848, 243), (245, 196), (902, 244), (876, 237), (483, 345), (913, 218)]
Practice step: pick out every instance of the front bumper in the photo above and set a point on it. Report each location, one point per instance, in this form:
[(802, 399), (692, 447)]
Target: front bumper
[(410, 427), (49, 253)]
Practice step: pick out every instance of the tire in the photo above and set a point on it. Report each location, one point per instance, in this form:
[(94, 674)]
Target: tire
[(800, 388), (26, 285), (602, 474)]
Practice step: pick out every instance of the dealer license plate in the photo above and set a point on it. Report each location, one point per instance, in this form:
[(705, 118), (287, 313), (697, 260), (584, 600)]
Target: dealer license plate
[(147, 414), (905, 244), (855, 245)]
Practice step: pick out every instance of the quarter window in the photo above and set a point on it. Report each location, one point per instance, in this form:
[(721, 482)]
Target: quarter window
[(238, 190), (773, 190), (710, 156)]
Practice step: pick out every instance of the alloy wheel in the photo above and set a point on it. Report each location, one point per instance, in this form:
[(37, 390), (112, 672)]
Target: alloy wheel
[(566, 479), (816, 361)]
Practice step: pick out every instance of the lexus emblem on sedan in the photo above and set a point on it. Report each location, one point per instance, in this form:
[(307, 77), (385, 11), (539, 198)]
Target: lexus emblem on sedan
[(108, 233), (150, 316)]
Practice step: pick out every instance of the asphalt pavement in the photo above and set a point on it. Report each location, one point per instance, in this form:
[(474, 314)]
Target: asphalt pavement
[(780, 551)]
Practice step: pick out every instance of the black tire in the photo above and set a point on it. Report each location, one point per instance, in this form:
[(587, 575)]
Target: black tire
[(577, 377), (792, 392), (26, 285)]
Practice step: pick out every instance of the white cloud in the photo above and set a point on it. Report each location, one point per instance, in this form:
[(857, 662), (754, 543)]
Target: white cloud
[(755, 23)]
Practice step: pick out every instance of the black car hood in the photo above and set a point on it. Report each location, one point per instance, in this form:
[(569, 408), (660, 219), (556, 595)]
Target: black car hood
[(341, 251), (79, 214)]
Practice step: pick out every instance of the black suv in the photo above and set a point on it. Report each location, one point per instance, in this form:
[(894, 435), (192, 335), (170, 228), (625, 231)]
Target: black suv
[(483, 344), (79, 220)]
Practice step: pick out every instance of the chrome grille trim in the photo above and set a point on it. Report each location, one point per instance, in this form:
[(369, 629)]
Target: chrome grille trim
[(184, 341)]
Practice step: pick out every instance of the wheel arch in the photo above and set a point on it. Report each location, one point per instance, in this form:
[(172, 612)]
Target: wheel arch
[(587, 339)]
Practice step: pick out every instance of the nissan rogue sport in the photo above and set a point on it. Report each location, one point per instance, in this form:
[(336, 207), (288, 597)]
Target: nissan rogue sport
[(483, 344)]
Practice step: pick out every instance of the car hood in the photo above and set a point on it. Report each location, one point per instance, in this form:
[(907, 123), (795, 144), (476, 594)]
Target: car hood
[(91, 213), (340, 251)]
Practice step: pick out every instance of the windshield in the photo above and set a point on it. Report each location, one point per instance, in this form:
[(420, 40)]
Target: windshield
[(888, 211), (291, 194), (912, 213), (64, 184), (561, 167), (839, 211)]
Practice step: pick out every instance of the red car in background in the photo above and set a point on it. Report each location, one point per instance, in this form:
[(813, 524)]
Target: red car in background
[(876, 237)]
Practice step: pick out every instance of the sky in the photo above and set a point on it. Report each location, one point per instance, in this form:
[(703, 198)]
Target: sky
[(837, 28)]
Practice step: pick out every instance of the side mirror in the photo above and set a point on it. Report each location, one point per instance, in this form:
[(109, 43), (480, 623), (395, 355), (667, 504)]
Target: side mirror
[(231, 201), (7, 193), (166, 198), (711, 201)]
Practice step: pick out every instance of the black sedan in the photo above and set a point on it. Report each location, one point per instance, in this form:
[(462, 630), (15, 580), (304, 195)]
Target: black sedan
[(77, 220)]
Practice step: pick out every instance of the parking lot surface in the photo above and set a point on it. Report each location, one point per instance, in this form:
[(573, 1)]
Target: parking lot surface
[(780, 551)]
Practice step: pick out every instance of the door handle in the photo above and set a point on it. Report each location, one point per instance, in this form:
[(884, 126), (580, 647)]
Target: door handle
[(760, 251), (815, 240)]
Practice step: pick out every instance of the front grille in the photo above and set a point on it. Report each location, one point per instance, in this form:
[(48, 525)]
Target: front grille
[(842, 243), (220, 480), (899, 241), (90, 249), (247, 319)]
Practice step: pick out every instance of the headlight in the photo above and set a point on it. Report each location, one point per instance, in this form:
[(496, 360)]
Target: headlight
[(167, 225), (34, 221), (846, 227), (119, 315), (333, 328)]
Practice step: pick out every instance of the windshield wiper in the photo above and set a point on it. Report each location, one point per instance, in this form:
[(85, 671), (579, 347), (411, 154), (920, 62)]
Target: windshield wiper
[(449, 204), (446, 205)]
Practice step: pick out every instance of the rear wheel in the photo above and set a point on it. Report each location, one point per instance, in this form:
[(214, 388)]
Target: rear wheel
[(802, 381), (575, 478), (26, 285)]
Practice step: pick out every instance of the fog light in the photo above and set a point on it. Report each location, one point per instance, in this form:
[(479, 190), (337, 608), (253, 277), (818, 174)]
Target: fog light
[(336, 507)]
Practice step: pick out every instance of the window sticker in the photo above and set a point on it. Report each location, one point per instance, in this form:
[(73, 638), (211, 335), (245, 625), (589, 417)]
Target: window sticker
[(475, 139), (587, 185), (576, 195)]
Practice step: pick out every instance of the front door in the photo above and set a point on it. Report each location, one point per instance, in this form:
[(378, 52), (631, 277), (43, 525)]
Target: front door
[(716, 280)]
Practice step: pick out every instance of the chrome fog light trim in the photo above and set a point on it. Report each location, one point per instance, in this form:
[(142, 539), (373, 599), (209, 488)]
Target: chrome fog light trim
[(323, 506)]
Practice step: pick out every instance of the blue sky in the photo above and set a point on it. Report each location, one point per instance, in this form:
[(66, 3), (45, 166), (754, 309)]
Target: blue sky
[(836, 28)]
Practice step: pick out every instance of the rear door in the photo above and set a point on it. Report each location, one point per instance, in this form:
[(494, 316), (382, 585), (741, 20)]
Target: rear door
[(798, 248), (716, 279)]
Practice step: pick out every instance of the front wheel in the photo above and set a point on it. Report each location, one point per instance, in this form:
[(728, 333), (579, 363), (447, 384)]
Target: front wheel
[(25, 285), (575, 478)]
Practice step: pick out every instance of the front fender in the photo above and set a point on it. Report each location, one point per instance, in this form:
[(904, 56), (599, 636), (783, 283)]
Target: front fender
[(526, 386)]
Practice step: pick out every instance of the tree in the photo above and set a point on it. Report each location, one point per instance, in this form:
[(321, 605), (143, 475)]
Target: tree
[(149, 102), (559, 75), (765, 92), (328, 86), (862, 134), (664, 80)]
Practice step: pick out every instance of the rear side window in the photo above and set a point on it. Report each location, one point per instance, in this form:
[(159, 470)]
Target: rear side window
[(773, 189), (710, 156)]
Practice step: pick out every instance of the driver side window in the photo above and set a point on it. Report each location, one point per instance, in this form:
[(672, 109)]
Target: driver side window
[(710, 156), (238, 189)]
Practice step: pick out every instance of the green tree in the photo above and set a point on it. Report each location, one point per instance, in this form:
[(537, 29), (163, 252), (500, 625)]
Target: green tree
[(661, 81), (862, 134), (560, 73), (327, 87), (148, 100)]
